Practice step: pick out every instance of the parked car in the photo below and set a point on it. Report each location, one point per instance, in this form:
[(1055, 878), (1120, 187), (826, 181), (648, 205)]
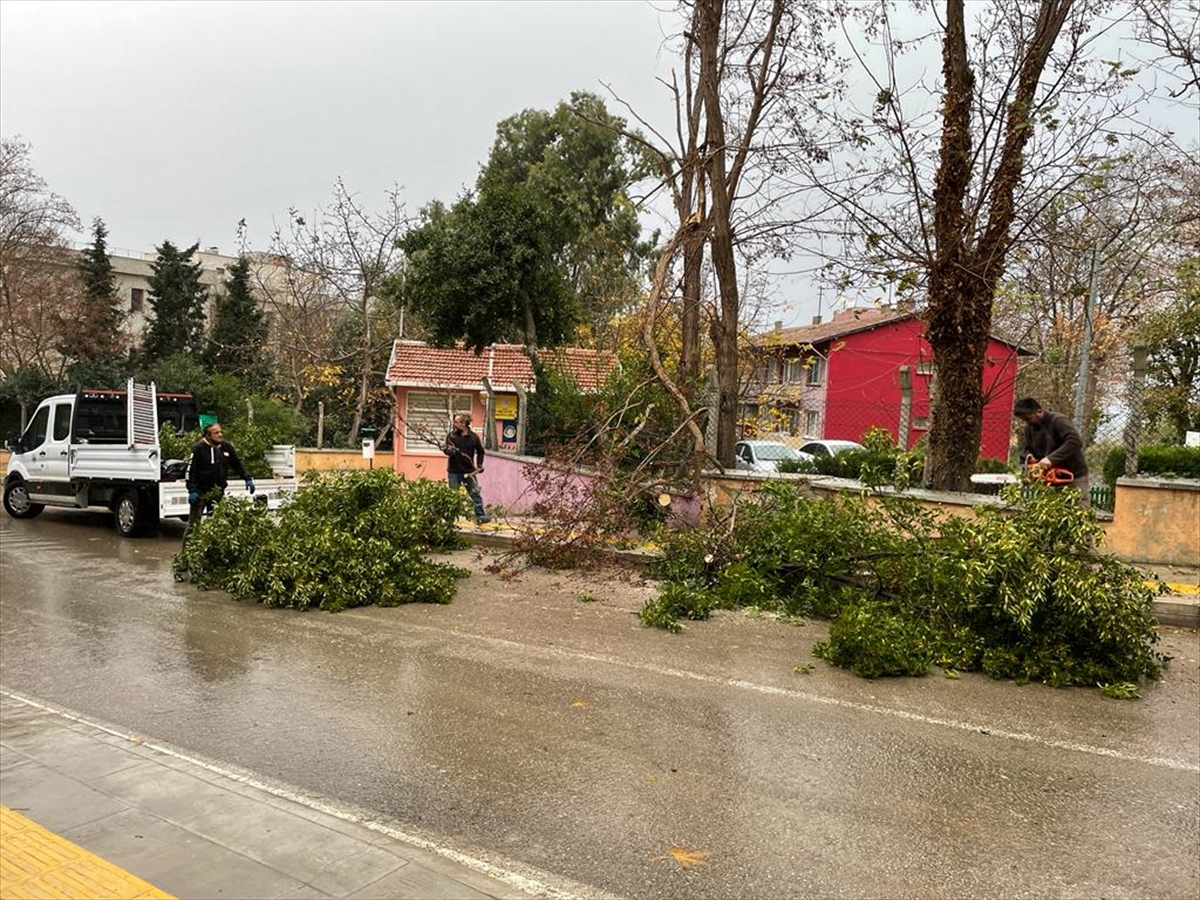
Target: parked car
[(762, 456), (828, 448)]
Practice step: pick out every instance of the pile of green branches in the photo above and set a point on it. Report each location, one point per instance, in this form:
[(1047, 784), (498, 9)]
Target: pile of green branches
[(345, 539), (1016, 592)]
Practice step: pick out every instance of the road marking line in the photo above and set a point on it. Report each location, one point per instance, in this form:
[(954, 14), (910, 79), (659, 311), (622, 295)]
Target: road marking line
[(1163, 762), (536, 883), (36, 862)]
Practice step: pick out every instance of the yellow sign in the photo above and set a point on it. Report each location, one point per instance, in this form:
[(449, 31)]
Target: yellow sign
[(506, 406)]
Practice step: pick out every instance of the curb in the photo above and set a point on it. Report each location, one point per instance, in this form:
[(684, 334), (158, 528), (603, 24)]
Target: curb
[(1178, 612)]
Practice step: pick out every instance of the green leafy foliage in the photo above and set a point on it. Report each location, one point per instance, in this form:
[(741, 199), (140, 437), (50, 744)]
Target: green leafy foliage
[(1016, 592), (346, 539), (1169, 462)]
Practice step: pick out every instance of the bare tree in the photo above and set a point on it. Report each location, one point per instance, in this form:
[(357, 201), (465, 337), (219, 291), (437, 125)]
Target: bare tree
[(936, 185), (739, 118), (1173, 28), (1128, 220), (325, 271), (37, 272)]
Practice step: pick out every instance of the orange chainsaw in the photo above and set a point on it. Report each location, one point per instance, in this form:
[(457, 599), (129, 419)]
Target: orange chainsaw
[(1053, 475)]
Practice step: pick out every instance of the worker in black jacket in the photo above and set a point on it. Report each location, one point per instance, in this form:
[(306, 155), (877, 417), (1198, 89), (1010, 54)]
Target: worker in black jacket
[(207, 473), (1051, 440), (465, 461)]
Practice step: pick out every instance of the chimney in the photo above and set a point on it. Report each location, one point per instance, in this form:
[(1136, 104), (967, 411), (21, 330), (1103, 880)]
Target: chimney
[(816, 320), (778, 326)]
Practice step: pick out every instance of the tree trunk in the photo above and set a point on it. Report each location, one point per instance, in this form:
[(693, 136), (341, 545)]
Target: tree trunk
[(531, 348), (725, 326), (691, 209), (964, 274)]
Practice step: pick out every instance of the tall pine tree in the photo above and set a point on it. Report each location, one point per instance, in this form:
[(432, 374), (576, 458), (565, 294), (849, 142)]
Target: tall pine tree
[(177, 299), (239, 332), (92, 331)]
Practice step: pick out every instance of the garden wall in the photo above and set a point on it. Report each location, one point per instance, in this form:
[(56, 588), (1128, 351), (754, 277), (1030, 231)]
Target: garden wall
[(1156, 520), (505, 483)]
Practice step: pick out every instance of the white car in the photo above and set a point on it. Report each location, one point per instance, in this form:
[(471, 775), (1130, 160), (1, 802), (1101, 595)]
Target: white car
[(815, 449), (762, 456)]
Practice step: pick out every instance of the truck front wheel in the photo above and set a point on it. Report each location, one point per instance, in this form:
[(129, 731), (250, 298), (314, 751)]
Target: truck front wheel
[(127, 513), (16, 500)]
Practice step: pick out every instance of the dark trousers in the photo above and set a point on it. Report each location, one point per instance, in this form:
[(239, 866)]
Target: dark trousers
[(472, 485), (197, 510)]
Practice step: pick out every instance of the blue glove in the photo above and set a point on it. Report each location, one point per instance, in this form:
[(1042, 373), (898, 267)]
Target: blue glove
[(250, 484), (193, 497)]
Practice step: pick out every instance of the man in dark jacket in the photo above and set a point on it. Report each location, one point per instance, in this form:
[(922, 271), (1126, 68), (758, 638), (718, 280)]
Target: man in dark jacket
[(212, 457), (465, 461), (1051, 440)]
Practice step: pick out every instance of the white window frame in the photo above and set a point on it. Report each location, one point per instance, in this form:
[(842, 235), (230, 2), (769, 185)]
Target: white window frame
[(432, 416), (793, 371), (816, 371), (812, 423)]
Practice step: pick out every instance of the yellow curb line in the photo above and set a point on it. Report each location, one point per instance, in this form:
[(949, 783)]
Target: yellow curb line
[(1175, 587), (37, 863)]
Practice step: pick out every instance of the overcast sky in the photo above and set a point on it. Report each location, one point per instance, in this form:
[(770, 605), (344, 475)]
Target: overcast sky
[(175, 120)]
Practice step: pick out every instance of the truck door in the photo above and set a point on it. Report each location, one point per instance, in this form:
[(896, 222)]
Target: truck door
[(33, 443), (54, 462)]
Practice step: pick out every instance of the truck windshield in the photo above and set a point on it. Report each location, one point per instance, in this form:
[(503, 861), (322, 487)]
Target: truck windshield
[(35, 432)]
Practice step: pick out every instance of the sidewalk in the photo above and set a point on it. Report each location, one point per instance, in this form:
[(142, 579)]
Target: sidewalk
[(189, 830)]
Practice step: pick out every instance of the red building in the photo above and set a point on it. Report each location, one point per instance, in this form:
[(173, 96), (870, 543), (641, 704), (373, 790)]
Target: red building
[(838, 379)]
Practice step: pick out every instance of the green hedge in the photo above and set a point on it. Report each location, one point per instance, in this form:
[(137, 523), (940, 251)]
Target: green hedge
[(1167, 461)]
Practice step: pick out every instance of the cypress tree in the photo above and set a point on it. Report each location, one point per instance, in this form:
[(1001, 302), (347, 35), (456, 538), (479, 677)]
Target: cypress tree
[(177, 302), (239, 331), (92, 332)]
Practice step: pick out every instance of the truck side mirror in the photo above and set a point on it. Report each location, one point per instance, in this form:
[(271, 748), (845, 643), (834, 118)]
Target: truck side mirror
[(13, 444)]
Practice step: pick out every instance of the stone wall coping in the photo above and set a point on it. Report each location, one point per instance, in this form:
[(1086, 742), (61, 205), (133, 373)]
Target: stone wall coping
[(829, 483), (1170, 484)]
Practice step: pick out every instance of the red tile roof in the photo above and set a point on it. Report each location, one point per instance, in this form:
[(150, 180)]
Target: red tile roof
[(844, 324), (416, 364)]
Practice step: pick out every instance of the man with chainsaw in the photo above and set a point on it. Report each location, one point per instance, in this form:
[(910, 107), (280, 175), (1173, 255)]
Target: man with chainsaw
[(1051, 446), (465, 461)]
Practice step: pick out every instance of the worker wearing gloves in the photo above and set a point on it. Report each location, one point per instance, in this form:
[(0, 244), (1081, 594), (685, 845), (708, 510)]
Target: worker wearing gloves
[(1051, 441), (212, 457)]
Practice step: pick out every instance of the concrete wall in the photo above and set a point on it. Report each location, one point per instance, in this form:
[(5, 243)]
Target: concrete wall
[(312, 460), (505, 483), (1156, 520)]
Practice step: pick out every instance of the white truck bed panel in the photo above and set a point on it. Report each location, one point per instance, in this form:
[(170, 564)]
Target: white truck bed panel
[(173, 499), (114, 462)]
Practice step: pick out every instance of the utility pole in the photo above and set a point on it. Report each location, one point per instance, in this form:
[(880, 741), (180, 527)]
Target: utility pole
[(1086, 351)]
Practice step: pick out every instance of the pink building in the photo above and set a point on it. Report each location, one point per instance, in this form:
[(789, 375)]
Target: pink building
[(838, 379), (433, 383)]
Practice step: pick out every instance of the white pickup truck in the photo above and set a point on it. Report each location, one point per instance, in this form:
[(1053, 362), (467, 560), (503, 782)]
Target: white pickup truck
[(99, 449)]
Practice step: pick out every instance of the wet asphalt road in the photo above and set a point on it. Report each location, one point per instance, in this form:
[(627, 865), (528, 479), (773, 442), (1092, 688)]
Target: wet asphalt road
[(562, 738)]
